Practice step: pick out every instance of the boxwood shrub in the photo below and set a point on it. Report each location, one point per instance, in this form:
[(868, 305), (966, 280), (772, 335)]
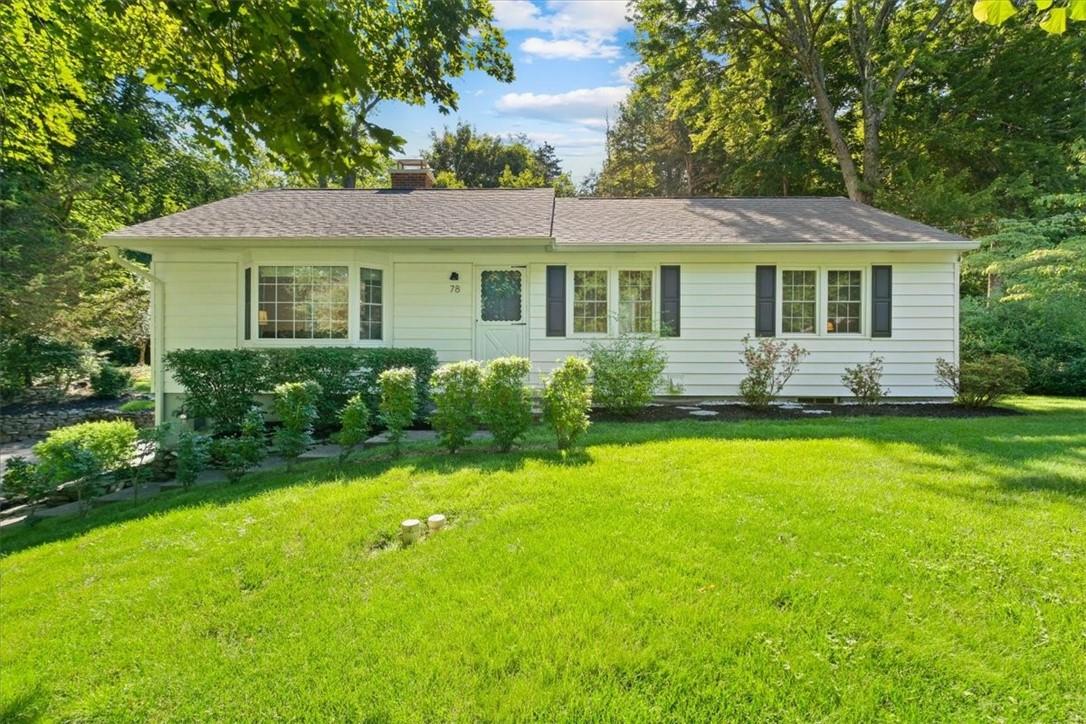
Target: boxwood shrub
[(220, 384)]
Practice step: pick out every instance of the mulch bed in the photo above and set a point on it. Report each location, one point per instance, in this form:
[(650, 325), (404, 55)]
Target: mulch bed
[(667, 412)]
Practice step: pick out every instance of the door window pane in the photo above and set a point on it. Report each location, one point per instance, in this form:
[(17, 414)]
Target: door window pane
[(798, 302), (843, 290), (302, 302), (635, 301), (590, 302), (370, 300), (501, 295)]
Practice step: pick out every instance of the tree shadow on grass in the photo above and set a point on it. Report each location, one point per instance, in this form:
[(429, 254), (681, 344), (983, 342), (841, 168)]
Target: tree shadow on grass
[(1005, 451), (25, 706)]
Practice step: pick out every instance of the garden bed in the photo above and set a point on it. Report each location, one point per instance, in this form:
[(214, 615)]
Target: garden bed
[(717, 410)]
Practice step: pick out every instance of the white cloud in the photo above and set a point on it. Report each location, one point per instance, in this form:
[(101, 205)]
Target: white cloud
[(571, 48), (577, 29), (627, 71), (584, 106)]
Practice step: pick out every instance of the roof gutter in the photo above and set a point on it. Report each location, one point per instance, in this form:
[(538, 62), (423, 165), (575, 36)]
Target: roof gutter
[(158, 326), (589, 246)]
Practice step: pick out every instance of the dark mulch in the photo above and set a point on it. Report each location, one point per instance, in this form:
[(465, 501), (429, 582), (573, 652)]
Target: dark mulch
[(666, 412)]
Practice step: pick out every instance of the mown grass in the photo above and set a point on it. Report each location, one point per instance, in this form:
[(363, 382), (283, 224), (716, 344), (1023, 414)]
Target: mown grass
[(846, 569)]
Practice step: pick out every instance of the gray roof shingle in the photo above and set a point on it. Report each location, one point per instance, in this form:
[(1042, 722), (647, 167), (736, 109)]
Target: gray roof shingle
[(532, 213), (363, 213), (732, 221)]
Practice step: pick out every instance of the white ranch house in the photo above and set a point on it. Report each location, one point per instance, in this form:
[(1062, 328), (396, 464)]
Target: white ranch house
[(483, 273)]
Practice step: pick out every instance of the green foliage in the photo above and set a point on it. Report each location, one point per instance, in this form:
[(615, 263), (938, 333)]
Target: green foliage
[(110, 382), (26, 361), (626, 371), (237, 455), (770, 364), (137, 406), (1052, 17), (354, 426), (984, 381), (220, 384), (505, 401), (567, 400), (465, 158), (398, 403), (24, 478), (454, 389), (193, 454), (345, 372), (151, 442), (295, 404), (109, 445), (864, 381)]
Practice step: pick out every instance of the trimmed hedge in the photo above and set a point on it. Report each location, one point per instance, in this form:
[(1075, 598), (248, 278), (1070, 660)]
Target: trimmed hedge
[(221, 384)]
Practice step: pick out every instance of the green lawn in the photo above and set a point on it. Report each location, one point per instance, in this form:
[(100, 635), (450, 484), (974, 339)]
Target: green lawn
[(845, 569)]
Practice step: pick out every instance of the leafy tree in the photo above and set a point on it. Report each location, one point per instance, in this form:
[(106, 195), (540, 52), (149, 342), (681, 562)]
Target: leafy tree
[(294, 77), (465, 158), (1052, 17)]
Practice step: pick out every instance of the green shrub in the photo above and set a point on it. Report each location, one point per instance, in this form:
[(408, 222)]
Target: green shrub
[(354, 426), (505, 402), (238, 454), (110, 382), (152, 440), (295, 405), (82, 468), (984, 381), (864, 381), (109, 443), (193, 454), (29, 360), (399, 400), (137, 406), (454, 389), (770, 364), (23, 478), (626, 371), (567, 399), (220, 384)]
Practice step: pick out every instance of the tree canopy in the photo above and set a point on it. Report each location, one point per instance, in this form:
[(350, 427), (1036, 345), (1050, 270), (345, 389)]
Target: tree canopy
[(465, 158)]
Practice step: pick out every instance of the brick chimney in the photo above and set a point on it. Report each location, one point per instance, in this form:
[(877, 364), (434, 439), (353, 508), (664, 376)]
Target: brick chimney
[(412, 173)]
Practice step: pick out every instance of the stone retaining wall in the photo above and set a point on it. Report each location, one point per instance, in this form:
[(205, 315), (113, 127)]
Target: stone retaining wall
[(37, 424)]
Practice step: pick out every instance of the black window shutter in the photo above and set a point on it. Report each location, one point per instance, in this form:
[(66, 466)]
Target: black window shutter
[(881, 300), (765, 301), (669, 301), (556, 301), (248, 303)]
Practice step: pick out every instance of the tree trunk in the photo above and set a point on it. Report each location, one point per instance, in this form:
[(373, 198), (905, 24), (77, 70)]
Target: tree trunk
[(853, 183), (349, 180)]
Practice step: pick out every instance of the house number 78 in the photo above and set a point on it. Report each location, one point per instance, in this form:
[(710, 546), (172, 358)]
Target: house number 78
[(454, 289)]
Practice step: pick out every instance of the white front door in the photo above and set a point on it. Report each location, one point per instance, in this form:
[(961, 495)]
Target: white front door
[(501, 324)]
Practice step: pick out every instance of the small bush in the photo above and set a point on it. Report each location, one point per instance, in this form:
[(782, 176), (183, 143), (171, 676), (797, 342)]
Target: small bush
[(137, 406), (23, 478), (219, 384), (238, 454), (984, 381), (505, 402), (295, 405), (193, 454), (399, 400), (864, 381), (110, 382), (109, 443), (152, 441), (354, 426), (567, 399), (770, 364), (454, 389), (626, 371)]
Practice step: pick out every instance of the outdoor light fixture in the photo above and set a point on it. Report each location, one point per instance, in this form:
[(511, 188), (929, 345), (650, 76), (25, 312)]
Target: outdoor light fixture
[(454, 277)]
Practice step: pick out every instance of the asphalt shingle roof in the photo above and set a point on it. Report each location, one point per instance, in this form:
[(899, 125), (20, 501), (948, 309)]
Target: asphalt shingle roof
[(732, 221), (364, 213), (533, 213)]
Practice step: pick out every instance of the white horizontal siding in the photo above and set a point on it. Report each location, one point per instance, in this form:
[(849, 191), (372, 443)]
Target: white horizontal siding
[(200, 307), (428, 313)]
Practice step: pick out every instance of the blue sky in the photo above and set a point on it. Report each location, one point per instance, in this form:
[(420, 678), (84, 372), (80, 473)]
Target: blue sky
[(573, 64)]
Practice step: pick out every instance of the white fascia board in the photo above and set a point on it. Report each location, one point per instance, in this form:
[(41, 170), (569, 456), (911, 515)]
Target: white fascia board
[(823, 246)]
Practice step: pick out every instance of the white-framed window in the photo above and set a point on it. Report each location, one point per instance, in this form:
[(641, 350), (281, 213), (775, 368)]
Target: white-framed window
[(590, 298), (303, 302), (371, 293), (799, 301), (635, 301), (844, 301)]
